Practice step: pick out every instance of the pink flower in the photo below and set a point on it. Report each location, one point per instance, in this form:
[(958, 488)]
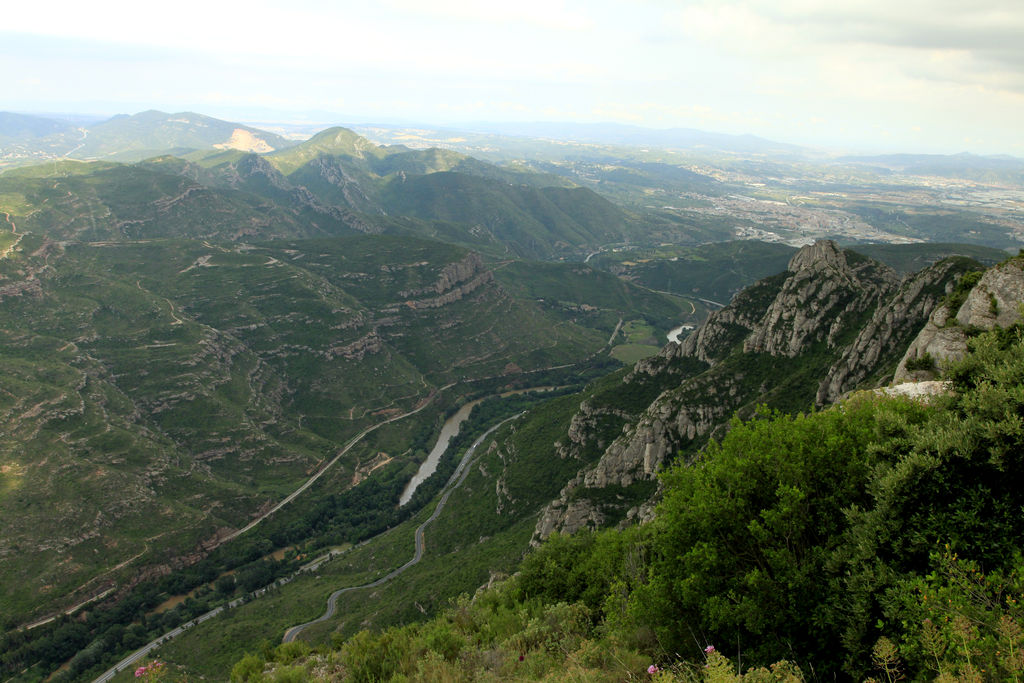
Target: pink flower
[(709, 649), (140, 672), (653, 669)]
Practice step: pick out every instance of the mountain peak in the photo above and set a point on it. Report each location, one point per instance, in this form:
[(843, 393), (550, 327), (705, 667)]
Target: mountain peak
[(814, 256), (336, 141), (339, 140)]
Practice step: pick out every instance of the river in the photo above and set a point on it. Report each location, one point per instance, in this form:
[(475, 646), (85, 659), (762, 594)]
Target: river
[(448, 431), (429, 466)]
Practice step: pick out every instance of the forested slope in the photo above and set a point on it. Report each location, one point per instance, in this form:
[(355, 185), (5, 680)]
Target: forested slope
[(877, 538)]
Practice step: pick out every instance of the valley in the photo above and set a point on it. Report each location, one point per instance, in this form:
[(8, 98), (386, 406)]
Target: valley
[(227, 354)]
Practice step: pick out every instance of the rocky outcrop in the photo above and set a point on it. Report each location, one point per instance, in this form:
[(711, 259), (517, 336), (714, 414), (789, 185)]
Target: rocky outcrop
[(357, 350), (639, 452), (585, 430), (451, 275), (829, 290), (995, 300), (454, 283), (567, 518), (811, 311), (938, 340), (920, 391), (723, 329), (891, 329)]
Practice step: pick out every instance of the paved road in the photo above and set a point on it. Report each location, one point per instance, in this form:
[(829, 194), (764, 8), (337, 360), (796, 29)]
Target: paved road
[(130, 661), (458, 476), (352, 442), (454, 482), (615, 333)]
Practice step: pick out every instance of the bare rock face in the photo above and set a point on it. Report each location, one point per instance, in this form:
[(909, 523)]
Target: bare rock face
[(584, 428), (920, 391), (368, 344), (824, 291), (822, 301), (828, 291), (640, 451), (890, 329), (938, 339), (456, 281), (995, 301), (567, 518), (724, 328), (997, 298)]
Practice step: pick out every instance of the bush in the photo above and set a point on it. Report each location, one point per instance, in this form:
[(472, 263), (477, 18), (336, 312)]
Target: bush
[(923, 362), (248, 668)]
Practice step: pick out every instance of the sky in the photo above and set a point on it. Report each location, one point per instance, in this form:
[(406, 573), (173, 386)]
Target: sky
[(869, 75)]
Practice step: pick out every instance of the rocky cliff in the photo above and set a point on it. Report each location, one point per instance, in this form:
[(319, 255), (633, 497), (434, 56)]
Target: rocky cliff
[(833, 314), (828, 291), (995, 300), (891, 328)]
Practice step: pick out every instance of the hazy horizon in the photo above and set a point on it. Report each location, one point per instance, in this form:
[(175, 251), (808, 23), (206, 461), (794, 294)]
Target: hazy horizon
[(924, 76)]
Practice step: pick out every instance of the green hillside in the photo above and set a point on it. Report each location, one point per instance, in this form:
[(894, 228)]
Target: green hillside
[(336, 183), (16, 128), (898, 559), (130, 138), (196, 382), (527, 220), (713, 271), (115, 202), (330, 142), (908, 258)]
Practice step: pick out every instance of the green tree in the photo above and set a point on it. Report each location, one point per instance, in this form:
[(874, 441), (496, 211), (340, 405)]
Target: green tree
[(743, 540)]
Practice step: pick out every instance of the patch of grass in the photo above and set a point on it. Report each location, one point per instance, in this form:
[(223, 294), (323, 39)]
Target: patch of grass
[(639, 332), (631, 353)]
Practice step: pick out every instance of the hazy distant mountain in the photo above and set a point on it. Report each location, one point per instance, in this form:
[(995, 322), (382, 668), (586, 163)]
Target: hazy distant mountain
[(621, 134), (26, 139), (150, 132), (970, 166), (25, 126)]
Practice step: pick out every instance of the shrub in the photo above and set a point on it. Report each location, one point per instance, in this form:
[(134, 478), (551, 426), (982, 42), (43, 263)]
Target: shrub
[(923, 362)]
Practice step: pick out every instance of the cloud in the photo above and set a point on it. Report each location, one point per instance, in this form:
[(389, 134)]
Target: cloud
[(779, 68), (961, 41)]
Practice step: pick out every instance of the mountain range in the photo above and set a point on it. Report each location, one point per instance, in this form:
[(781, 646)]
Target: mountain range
[(833, 323), (213, 320), (26, 139)]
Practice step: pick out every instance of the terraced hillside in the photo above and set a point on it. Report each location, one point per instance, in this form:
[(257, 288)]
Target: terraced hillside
[(157, 394), (337, 183)]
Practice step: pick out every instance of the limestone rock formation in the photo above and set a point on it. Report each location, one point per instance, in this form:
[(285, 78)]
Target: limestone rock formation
[(995, 301), (890, 329), (455, 281), (829, 289), (997, 298), (833, 314)]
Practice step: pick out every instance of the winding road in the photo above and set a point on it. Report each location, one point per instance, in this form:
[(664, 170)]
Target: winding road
[(458, 476), (14, 231), (352, 442)]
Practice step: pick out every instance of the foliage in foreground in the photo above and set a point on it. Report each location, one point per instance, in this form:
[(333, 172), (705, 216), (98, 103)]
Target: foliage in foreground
[(879, 538)]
